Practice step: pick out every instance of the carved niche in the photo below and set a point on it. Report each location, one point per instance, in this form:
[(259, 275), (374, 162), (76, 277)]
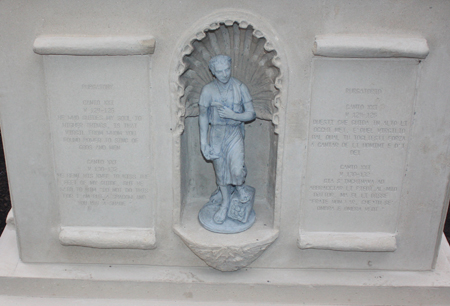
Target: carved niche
[(256, 63)]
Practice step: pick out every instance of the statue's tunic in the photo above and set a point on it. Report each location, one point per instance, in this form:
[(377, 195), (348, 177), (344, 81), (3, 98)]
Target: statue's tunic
[(226, 136)]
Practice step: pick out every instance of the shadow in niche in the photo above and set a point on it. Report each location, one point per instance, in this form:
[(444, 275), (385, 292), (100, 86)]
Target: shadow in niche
[(254, 64)]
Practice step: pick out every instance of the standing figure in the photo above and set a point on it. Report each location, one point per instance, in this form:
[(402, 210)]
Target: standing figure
[(225, 104)]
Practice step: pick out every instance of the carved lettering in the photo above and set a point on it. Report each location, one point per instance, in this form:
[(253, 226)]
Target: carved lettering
[(89, 99), (358, 142)]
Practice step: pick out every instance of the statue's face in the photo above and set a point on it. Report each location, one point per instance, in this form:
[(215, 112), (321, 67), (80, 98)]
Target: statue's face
[(222, 72)]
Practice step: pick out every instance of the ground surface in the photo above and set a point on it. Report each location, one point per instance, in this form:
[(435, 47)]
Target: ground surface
[(5, 201)]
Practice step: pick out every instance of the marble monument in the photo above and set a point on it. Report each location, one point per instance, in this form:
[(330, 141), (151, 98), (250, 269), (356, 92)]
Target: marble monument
[(123, 129)]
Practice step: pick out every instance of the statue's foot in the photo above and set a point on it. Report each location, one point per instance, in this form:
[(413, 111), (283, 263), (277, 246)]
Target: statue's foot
[(244, 195), (220, 215), (216, 197)]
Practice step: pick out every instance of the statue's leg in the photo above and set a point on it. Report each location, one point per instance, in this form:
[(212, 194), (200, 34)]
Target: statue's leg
[(216, 196), (244, 195), (221, 214)]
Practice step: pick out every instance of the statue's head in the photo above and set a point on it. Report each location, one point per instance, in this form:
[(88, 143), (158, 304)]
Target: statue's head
[(220, 66)]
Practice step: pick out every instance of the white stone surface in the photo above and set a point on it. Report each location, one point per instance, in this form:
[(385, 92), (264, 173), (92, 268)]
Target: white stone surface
[(35, 89), (16, 301)]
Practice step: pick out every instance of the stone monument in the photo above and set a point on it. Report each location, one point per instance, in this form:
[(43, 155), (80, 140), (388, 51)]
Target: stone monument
[(117, 129)]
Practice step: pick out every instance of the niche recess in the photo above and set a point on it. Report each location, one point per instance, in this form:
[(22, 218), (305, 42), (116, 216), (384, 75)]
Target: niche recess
[(254, 62)]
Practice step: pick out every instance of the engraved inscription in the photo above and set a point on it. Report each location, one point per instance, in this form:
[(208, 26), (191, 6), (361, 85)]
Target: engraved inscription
[(353, 189), (101, 138), (96, 127), (99, 127), (358, 138)]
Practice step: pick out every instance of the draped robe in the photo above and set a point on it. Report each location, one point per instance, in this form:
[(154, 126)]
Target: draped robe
[(226, 136)]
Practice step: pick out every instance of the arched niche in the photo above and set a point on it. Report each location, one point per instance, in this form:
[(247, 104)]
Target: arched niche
[(257, 64)]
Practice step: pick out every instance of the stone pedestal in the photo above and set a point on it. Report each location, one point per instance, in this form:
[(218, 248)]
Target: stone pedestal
[(69, 284)]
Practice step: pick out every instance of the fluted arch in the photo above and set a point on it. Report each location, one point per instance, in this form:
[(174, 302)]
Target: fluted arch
[(255, 62)]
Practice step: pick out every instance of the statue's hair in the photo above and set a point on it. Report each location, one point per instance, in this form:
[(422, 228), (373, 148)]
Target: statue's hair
[(218, 59)]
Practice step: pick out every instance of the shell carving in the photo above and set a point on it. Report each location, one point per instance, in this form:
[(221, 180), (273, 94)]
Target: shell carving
[(254, 62)]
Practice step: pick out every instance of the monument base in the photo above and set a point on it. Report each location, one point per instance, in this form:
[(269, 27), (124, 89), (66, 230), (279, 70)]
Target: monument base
[(72, 284)]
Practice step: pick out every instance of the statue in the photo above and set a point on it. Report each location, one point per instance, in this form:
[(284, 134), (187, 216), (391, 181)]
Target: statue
[(225, 104)]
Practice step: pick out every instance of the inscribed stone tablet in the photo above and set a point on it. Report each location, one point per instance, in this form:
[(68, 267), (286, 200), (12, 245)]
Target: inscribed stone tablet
[(361, 112), (101, 137)]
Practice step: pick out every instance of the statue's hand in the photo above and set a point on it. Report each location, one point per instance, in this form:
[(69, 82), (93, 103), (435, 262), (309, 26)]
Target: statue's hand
[(206, 149), (225, 112), (208, 152)]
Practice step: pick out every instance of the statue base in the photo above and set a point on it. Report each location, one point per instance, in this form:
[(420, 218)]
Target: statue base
[(240, 216)]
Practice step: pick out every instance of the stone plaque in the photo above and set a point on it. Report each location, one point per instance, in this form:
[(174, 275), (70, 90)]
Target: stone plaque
[(360, 122), (100, 124)]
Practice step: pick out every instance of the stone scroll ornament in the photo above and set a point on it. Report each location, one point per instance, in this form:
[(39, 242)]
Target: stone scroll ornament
[(224, 105)]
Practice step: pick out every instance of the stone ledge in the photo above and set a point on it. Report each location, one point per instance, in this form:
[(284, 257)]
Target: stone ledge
[(108, 237), (94, 45), (370, 46), (357, 242)]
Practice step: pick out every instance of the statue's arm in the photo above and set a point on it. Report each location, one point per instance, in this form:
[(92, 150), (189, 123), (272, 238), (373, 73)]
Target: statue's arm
[(204, 125), (203, 122), (249, 112), (248, 115)]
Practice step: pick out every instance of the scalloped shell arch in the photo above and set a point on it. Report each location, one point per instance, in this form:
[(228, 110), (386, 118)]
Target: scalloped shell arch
[(254, 62)]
